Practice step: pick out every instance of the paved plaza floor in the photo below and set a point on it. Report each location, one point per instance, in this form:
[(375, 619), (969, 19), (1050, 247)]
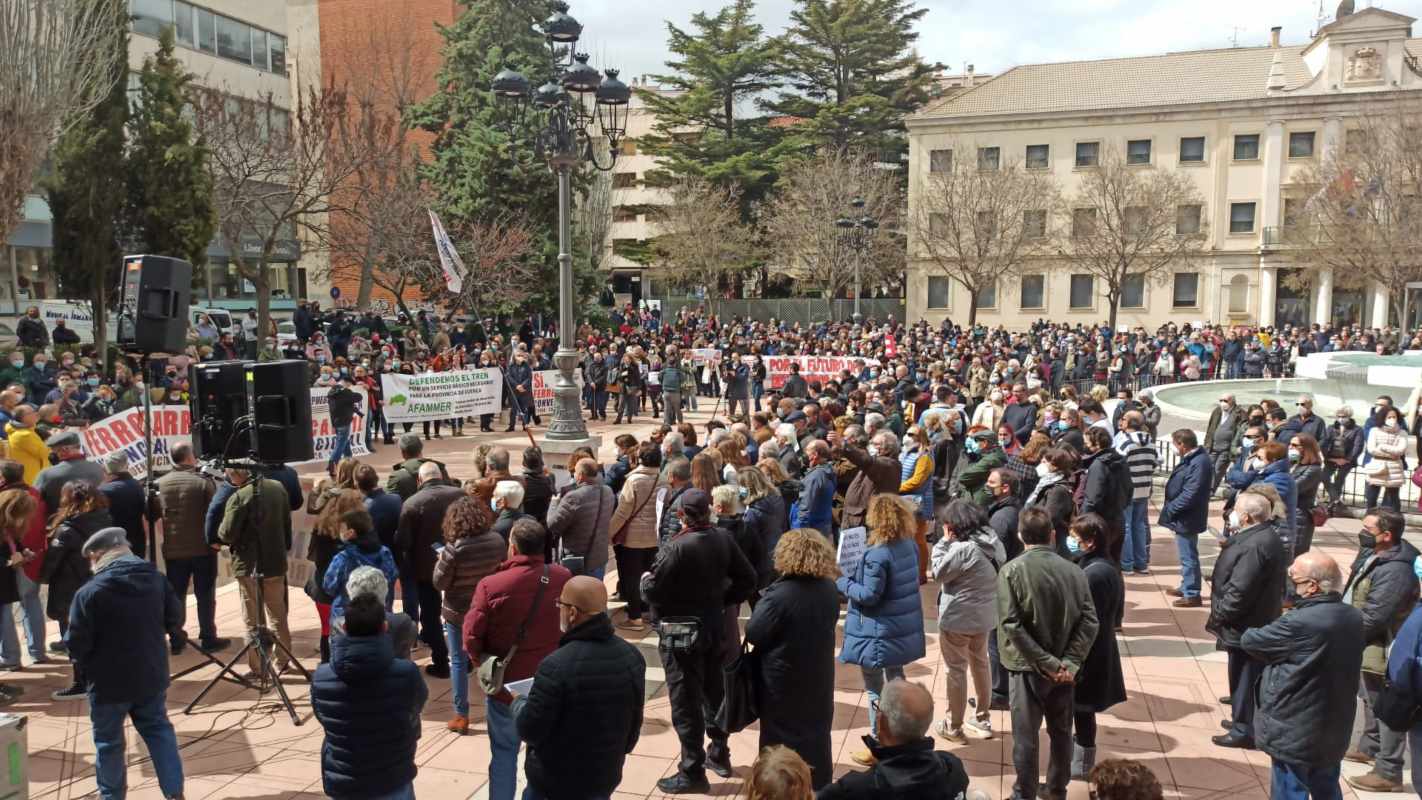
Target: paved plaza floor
[(237, 745)]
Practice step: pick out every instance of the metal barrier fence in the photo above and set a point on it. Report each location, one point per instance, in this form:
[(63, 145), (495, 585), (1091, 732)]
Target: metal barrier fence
[(804, 310)]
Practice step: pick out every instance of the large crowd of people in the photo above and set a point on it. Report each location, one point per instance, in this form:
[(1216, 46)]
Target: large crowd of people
[(982, 462)]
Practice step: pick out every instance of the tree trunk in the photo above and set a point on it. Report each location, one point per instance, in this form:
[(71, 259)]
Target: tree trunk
[(367, 283), (1113, 300), (261, 282), (972, 308), (98, 297)]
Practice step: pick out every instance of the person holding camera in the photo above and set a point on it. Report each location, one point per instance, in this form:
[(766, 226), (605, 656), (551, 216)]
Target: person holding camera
[(256, 525)]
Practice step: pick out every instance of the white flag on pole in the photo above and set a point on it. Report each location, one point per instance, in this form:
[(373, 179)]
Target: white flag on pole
[(449, 260)]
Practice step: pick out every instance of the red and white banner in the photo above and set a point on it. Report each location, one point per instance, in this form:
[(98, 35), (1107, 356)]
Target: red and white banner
[(543, 382), (812, 368)]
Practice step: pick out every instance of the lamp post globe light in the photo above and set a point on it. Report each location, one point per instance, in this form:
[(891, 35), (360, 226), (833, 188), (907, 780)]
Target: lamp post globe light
[(569, 115), (856, 232)]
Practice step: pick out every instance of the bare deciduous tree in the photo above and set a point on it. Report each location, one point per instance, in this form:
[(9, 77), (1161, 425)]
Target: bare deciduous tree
[(800, 222), (1129, 220), (48, 80), (1363, 215), (699, 236), (977, 225), (592, 218)]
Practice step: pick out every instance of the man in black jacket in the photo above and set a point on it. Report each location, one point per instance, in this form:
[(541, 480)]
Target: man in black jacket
[(342, 404), (696, 575), (520, 377), (31, 331), (906, 763), (1246, 592), (126, 500), (1309, 657), (584, 712)]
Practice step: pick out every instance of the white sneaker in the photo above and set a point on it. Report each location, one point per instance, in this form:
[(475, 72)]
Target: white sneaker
[(978, 729), (954, 735)]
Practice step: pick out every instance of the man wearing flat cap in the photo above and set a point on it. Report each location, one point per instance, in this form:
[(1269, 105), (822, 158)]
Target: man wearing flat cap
[(69, 465), (697, 574), (119, 624)]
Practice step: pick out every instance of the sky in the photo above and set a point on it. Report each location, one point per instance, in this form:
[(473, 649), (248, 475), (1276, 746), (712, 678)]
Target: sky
[(993, 35)]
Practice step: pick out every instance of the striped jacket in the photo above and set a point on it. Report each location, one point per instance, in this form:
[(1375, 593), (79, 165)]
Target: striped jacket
[(1141, 460)]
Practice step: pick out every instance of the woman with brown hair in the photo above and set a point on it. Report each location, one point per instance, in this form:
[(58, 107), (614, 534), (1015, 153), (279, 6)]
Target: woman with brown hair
[(1307, 471), (17, 509), (883, 629), (793, 629), (83, 512), (471, 552), (733, 457), (705, 475), (788, 487), (325, 544)]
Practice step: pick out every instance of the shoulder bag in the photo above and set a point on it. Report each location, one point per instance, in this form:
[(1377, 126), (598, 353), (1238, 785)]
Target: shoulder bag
[(491, 667), (740, 707), (621, 534)]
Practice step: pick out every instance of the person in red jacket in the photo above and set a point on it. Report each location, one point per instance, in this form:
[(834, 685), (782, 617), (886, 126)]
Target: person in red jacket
[(504, 605), (33, 543)]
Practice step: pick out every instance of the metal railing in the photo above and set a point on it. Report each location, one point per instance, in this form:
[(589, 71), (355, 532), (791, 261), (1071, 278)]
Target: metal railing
[(804, 310)]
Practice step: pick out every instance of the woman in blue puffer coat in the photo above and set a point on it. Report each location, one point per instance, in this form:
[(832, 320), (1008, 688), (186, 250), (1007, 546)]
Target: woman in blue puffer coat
[(883, 630)]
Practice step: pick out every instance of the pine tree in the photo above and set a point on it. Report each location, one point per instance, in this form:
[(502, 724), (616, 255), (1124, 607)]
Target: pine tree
[(86, 188), (478, 172), (702, 129), (170, 208), (854, 73)]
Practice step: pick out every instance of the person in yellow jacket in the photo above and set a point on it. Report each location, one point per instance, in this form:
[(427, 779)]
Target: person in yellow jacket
[(26, 446)]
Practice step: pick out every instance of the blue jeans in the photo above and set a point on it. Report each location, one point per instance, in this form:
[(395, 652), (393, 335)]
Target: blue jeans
[(458, 669), (33, 612), (202, 572), (343, 445), (150, 719), (503, 746), (599, 573), (1188, 546), (1296, 782), (874, 680), (757, 392), (1135, 551)]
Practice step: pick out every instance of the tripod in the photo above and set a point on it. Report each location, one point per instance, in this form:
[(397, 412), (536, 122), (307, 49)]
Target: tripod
[(260, 636)]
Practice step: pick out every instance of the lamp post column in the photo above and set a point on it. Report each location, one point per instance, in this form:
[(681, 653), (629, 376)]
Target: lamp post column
[(567, 424)]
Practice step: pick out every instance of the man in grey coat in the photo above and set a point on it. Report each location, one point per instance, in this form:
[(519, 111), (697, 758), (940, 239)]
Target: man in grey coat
[(580, 520)]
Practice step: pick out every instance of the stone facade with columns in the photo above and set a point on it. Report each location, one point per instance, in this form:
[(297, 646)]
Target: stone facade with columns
[(1242, 123)]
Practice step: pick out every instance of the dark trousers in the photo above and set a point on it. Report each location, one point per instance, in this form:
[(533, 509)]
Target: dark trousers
[(696, 686), (999, 673), (202, 573), (631, 563), (1034, 699), (1221, 461), (1244, 672), (1084, 723), (1389, 497), (1333, 478), (432, 625)]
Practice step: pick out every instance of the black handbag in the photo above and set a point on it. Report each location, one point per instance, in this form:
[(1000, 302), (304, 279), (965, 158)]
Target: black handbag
[(1396, 708), (740, 707)]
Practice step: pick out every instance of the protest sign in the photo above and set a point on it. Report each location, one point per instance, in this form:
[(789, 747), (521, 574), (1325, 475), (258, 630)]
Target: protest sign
[(543, 382), (173, 424), (852, 542), (812, 368), (430, 396)]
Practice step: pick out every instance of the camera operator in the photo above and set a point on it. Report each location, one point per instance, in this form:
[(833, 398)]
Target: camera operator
[(182, 499), (256, 524)]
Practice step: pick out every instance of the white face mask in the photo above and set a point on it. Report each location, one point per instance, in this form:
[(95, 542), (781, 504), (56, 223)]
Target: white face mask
[(874, 450), (1044, 469), (1234, 519)]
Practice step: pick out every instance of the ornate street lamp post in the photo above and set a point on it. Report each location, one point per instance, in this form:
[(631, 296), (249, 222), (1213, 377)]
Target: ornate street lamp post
[(856, 232), (562, 113)]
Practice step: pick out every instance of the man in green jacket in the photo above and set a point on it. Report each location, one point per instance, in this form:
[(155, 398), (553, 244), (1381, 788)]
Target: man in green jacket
[(404, 478), (984, 456), (1046, 624), (256, 525)]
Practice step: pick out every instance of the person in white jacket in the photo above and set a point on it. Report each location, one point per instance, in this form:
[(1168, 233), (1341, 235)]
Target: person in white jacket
[(1386, 448), (965, 564), (989, 415)]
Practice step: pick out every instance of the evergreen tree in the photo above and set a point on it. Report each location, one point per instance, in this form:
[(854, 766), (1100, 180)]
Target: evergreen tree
[(477, 171), (86, 187), (170, 208), (717, 70), (854, 72)]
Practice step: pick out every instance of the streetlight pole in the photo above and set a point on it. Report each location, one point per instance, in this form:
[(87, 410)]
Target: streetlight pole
[(857, 231), (559, 110)]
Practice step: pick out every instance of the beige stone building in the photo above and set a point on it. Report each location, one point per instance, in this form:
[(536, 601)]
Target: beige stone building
[(1242, 123)]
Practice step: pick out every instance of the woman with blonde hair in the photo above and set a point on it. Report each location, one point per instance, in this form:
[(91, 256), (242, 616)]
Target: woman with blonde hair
[(705, 473), (733, 457), (883, 629), (325, 544), (779, 774), (788, 487), (793, 630)]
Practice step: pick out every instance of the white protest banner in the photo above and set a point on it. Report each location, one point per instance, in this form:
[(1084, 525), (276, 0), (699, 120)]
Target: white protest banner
[(449, 261), (812, 368), (852, 542), (543, 381), (705, 355), (441, 395), (173, 424)]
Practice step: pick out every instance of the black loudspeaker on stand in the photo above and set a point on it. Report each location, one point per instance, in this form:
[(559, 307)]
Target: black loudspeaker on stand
[(153, 303), (272, 401)]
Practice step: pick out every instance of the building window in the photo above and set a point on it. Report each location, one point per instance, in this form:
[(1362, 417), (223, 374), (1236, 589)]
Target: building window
[(1134, 220), (986, 226), (987, 296), (624, 180), (278, 53), (1239, 295), (937, 291), (1133, 291), (940, 160), (988, 157), (259, 49), (1246, 147), (1038, 156), (183, 24), (1187, 219), (1087, 153), (1301, 144), (1034, 291), (1082, 289), (1138, 151), (1187, 290), (1241, 217), (1192, 149), (1083, 222), (207, 31), (151, 16), (938, 225), (1034, 224), (234, 40), (624, 214), (1293, 207)]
